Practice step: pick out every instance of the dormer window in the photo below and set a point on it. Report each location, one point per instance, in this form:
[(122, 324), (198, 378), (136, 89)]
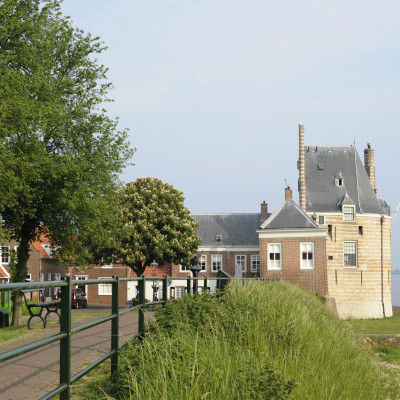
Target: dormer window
[(349, 213), (339, 179)]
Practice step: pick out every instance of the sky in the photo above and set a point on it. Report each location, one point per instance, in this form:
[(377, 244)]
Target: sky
[(212, 92)]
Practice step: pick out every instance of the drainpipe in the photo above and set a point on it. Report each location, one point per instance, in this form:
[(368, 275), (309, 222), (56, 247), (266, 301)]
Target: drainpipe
[(383, 304)]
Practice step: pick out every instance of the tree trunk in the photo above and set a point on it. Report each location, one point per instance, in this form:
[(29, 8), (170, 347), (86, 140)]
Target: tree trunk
[(17, 309), (19, 273)]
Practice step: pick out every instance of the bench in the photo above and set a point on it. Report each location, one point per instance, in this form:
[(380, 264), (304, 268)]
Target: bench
[(50, 306)]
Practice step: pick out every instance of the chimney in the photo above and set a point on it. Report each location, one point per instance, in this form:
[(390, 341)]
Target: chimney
[(264, 211), (370, 165), (288, 193), (302, 169)]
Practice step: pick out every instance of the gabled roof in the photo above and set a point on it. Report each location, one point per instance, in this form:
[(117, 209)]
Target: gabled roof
[(234, 229), (346, 200), (41, 244), (3, 272), (289, 216), (323, 166)]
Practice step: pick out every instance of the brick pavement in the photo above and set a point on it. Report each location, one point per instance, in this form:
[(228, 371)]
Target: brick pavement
[(32, 375)]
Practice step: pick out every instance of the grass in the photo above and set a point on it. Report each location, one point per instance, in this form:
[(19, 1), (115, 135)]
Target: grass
[(377, 326), (259, 341), (12, 332)]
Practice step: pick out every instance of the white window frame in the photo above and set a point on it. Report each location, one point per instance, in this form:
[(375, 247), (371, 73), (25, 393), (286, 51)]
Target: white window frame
[(5, 260), (184, 268), (203, 263), (241, 259), (28, 278), (275, 264), (57, 277), (255, 261), (105, 289), (215, 260), (346, 214), (179, 291), (307, 248), (321, 220), (345, 261)]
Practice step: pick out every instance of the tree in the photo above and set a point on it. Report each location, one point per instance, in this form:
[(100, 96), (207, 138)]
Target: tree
[(155, 225), (60, 152)]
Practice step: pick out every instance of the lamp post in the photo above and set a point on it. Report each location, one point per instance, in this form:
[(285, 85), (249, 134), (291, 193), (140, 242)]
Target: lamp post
[(195, 268), (154, 267)]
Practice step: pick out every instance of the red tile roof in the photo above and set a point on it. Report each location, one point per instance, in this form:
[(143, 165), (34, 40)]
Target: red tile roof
[(3, 272), (38, 245)]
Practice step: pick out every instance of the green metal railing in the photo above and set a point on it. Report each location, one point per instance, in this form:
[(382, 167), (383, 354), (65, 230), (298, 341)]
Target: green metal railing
[(66, 330)]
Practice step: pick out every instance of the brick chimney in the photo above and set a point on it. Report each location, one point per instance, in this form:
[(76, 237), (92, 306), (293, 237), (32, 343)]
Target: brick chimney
[(264, 210), (302, 169), (288, 193), (369, 165)]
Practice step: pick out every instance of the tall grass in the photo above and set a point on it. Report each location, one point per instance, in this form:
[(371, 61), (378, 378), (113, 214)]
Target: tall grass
[(259, 341)]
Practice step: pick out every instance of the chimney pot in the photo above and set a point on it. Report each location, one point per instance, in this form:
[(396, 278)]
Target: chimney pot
[(288, 193)]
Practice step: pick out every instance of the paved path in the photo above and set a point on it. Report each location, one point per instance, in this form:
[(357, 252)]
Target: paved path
[(32, 375)]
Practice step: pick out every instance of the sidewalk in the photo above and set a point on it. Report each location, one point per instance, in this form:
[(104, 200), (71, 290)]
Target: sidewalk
[(32, 375)]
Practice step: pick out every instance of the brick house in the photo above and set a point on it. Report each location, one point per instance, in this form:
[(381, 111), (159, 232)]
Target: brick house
[(293, 247), (34, 260)]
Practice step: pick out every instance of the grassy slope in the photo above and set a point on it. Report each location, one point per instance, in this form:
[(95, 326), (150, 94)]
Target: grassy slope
[(229, 348)]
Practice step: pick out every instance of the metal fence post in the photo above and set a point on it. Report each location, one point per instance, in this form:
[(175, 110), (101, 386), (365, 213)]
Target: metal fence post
[(115, 325), (189, 285), (65, 343), (205, 284), (142, 299), (165, 290)]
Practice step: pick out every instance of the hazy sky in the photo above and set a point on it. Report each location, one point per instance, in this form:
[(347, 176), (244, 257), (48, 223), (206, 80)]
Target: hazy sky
[(212, 91)]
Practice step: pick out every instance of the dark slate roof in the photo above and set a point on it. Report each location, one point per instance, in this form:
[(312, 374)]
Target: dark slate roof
[(346, 200), (384, 205), (323, 165), (289, 216), (235, 229)]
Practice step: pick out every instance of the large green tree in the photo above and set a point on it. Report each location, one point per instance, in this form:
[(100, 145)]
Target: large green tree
[(60, 153), (155, 225)]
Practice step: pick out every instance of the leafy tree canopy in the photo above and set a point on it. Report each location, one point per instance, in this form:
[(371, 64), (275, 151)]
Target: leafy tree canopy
[(155, 225), (60, 152)]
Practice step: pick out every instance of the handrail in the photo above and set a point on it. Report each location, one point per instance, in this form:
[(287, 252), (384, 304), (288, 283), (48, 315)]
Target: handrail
[(66, 330)]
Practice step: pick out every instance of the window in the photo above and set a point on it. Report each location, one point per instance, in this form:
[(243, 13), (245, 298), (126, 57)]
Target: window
[(216, 262), (241, 260), (274, 256), (349, 213), (57, 277), (321, 220), (183, 268), (105, 289), (203, 262), (255, 263), (5, 254), (28, 278), (180, 291), (350, 254), (307, 255), (360, 230)]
